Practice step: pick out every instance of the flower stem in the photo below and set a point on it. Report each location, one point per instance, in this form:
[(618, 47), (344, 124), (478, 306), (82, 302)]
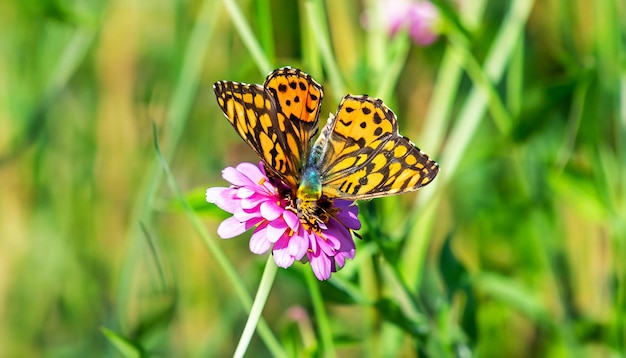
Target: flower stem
[(257, 306), (324, 328)]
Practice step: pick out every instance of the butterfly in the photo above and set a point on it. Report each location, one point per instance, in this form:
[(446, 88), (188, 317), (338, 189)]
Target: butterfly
[(358, 155)]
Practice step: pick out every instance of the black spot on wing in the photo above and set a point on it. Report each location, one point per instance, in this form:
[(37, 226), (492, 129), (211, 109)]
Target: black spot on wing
[(360, 142)]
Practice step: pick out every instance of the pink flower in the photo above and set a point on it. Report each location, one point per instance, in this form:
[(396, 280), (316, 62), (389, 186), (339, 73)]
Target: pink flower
[(258, 202), (420, 18)]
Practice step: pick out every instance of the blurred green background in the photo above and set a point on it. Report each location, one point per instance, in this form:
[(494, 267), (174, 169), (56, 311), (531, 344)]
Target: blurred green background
[(517, 249)]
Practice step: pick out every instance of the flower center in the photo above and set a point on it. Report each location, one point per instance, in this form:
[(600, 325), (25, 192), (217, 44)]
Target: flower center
[(312, 208), (315, 214)]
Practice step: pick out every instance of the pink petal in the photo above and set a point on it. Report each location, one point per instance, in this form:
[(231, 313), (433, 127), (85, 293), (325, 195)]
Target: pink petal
[(298, 246), (423, 18), (332, 242), (212, 194), (312, 240), (338, 235), (342, 256), (281, 252), (259, 244), (231, 227), (245, 215), (325, 246), (245, 192), (253, 201), (276, 229), (252, 172), (227, 201), (320, 265), (349, 218), (235, 177), (253, 222), (344, 204), (291, 219), (340, 260), (268, 188), (270, 211)]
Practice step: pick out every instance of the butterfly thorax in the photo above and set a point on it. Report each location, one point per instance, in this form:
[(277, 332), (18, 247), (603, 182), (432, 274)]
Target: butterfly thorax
[(310, 188), (308, 193), (311, 207)]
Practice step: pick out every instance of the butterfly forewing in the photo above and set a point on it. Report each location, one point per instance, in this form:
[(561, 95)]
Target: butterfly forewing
[(277, 119), (363, 155), (299, 100), (298, 96)]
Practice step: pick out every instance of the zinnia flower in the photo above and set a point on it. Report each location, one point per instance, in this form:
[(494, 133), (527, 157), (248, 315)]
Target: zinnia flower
[(420, 18), (258, 202)]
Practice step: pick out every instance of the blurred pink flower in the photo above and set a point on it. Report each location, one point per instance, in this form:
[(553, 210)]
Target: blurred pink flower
[(258, 202), (420, 18)]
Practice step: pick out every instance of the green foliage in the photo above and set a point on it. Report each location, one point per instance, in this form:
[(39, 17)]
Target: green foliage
[(517, 249)]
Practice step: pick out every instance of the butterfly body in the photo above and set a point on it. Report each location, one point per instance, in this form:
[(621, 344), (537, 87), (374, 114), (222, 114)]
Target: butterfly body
[(310, 187), (358, 154)]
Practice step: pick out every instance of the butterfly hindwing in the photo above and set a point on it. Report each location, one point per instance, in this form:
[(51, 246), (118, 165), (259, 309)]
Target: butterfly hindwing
[(277, 119), (363, 155)]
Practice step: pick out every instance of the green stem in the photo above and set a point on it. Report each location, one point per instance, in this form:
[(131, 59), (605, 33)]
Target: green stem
[(248, 38), (71, 58), (311, 57), (376, 42), (317, 19), (499, 113), (573, 124), (266, 28), (515, 81), (389, 78), (257, 307), (324, 328), (441, 103)]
